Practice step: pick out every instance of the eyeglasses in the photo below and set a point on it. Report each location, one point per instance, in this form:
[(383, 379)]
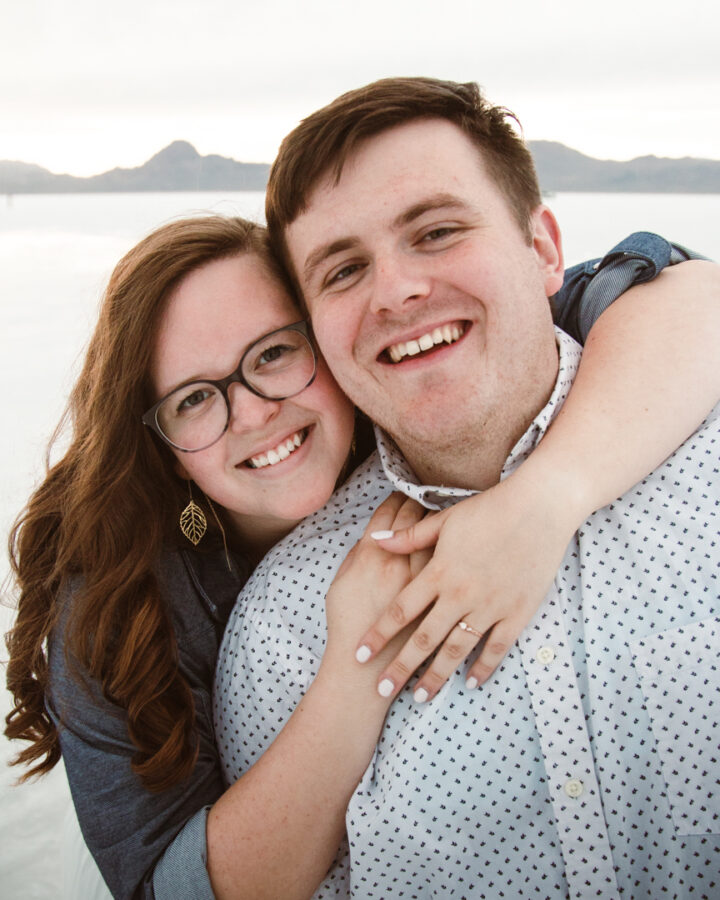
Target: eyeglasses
[(277, 366)]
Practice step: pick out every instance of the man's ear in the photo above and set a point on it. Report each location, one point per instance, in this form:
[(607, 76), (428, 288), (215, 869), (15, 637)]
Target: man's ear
[(547, 244)]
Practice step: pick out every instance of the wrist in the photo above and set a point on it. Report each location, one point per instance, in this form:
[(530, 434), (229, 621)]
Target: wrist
[(561, 494), (341, 676)]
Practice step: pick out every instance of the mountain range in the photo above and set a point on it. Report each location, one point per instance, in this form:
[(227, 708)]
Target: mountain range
[(179, 167)]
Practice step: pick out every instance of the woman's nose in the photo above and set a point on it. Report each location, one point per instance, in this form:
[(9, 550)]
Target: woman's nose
[(248, 412)]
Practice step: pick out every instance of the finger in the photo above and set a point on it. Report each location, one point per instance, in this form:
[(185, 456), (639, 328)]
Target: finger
[(418, 536), (418, 560), (407, 516), (455, 645), (405, 608), (500, 639), (385, 515)]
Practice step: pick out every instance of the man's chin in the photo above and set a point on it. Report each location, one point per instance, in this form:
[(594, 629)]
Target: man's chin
[(436, 428)]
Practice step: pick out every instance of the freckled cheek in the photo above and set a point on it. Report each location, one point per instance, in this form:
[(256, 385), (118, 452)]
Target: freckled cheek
[(216, 459)]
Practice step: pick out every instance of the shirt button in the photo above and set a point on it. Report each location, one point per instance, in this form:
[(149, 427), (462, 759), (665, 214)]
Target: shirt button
[(545, 655), (574, 788)]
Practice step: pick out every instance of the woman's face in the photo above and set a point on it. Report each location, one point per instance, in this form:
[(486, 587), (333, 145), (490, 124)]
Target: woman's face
[(213, 315)]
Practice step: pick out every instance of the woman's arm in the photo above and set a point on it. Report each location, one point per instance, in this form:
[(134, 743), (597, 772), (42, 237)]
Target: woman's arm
[(649, 375), (275, 832)]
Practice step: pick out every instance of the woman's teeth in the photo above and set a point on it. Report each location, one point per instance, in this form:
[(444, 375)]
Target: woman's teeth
[(447, 334), (279, 453)]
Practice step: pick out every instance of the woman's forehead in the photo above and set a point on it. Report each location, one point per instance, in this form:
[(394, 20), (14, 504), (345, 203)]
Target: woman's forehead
[(213, 315)]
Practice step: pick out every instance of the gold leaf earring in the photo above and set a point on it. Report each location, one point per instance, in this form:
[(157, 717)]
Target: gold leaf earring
[(193, 523)]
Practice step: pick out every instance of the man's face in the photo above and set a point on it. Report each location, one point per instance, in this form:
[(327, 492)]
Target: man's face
[(426, 298)]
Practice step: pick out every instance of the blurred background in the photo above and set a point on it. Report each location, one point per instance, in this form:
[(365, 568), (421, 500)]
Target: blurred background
[(85, 88)]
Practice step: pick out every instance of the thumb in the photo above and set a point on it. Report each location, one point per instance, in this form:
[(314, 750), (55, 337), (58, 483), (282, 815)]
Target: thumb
[(419, 536)]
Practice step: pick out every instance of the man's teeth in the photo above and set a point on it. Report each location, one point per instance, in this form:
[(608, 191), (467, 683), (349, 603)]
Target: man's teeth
[(447, 334), (279, 453)]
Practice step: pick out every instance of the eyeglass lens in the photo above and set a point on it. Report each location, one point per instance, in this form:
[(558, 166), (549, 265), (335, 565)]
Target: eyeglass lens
[(277, 366)]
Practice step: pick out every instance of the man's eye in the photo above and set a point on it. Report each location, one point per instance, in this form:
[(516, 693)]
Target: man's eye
[(342, 274), (437, 234)]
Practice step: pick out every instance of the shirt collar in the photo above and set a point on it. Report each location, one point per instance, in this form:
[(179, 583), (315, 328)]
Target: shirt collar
[(403, 479)]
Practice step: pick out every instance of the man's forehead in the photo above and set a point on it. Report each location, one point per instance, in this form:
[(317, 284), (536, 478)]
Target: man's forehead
[(435, 145), (437, 137)]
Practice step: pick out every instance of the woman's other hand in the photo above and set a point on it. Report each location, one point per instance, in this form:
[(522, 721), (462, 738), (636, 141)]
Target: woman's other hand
[(495, 558), (370, 579)]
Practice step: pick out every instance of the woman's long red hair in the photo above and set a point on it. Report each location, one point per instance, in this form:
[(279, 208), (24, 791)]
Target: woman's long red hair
[(103, 515)]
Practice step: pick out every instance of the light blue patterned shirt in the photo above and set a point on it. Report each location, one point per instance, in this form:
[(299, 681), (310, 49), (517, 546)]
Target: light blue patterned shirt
[(588, 766)]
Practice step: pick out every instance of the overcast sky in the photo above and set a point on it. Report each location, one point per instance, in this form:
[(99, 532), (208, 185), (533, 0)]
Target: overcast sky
[(85, 86)]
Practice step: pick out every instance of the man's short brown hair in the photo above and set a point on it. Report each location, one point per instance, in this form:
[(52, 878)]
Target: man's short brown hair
[(322, 142)]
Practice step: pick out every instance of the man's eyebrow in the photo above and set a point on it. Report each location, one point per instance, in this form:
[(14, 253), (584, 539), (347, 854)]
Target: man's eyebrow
[(437, 201), (323, 252)]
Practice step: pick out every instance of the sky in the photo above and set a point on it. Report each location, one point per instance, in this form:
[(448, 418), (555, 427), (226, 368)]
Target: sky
[(86, 86)]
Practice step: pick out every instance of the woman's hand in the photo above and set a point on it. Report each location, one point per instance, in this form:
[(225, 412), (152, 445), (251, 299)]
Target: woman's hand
[(368, 580), (496, 556)]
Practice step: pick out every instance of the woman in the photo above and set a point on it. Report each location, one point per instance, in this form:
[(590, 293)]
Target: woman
[(133, 617)]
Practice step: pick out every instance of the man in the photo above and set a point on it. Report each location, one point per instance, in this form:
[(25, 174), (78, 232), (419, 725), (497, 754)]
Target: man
[(409, 216)]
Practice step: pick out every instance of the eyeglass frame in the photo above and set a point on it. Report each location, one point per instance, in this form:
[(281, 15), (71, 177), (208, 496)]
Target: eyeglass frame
[(149, 417)]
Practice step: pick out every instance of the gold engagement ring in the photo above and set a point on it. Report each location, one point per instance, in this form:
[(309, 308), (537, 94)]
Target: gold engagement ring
[(466, 627)]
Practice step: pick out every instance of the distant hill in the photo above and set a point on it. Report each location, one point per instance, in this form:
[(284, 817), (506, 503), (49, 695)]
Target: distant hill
[(179, 167), (562, 169)]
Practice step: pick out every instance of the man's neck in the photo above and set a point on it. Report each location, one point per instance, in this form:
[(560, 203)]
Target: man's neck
[(475, 458), (474, 464)]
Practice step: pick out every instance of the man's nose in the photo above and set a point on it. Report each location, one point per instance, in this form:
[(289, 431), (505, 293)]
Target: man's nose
[(248, 412), (398, 281)]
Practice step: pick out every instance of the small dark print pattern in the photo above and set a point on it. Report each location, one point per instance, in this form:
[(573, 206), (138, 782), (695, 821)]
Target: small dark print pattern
[(588, 767)]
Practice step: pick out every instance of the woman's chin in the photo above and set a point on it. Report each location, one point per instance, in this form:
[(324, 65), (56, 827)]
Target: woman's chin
[(262, 531)]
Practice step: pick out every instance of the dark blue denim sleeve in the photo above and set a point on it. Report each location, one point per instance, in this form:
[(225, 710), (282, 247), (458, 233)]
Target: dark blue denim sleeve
[(591, 286), (148, 846)]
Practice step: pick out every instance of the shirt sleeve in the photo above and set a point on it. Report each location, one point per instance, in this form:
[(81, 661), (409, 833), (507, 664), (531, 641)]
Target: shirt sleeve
[(126, 827), (591, 286), (182, 869), (146, 845)]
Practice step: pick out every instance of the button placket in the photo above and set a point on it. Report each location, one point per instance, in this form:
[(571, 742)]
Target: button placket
[(560, 721)]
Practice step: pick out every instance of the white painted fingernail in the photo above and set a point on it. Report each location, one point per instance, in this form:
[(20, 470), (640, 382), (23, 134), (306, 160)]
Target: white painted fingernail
[(381, 535), (386, 687), (363, 654), (471, 683), (420, 695)]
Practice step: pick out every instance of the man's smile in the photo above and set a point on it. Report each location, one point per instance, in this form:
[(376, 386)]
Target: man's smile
[(422, 344)]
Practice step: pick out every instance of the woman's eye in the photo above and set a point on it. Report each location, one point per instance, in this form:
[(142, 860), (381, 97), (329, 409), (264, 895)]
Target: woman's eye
[(273, 354), (194, 399)]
